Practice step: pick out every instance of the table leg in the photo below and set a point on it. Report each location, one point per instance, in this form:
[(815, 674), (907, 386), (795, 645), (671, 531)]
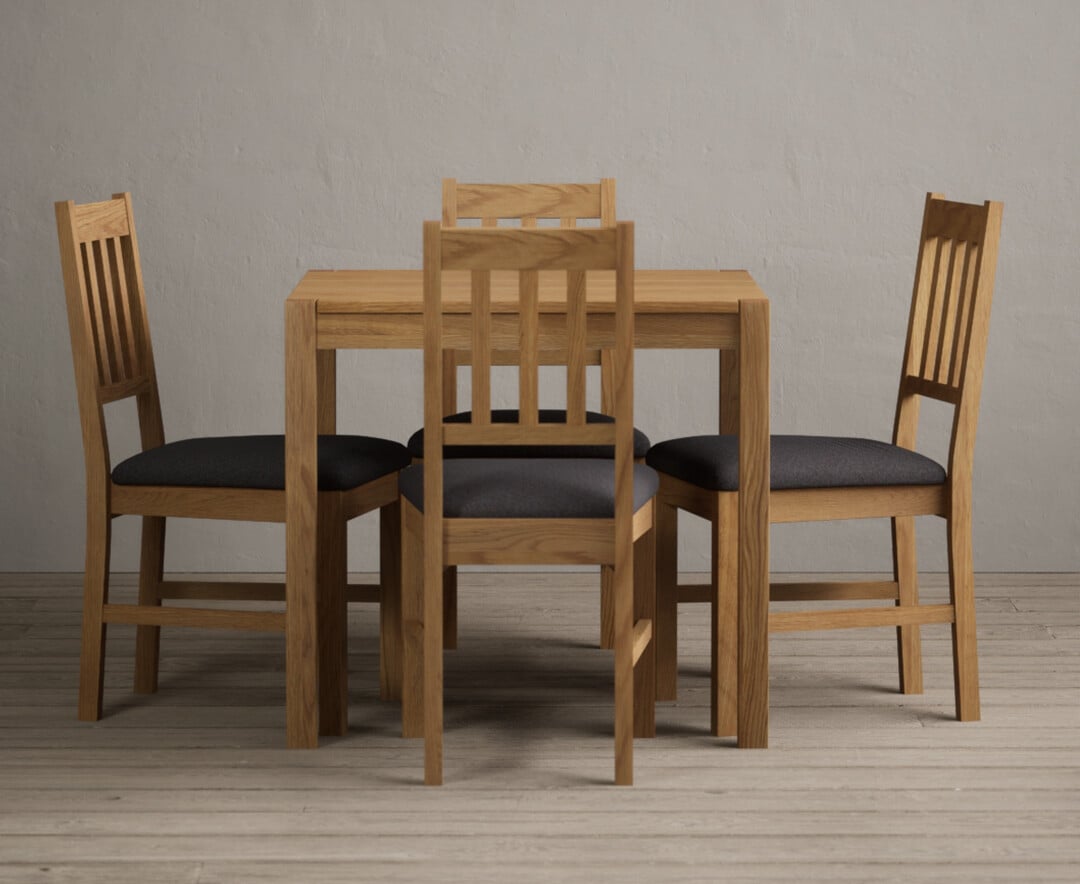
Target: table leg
[(753, 407), (301, 524)]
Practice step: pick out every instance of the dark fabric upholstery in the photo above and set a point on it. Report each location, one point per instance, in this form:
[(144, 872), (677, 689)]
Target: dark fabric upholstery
[(547, 416), (522, 488), (712, 462), (259, 462)]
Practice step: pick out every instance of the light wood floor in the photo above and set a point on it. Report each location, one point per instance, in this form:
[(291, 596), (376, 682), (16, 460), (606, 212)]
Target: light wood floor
[(861, 783)]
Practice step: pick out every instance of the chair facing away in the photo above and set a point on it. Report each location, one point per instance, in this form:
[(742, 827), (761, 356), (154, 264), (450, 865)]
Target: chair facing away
[(238, 478), (510, 510), (822, 478), (569, 204)]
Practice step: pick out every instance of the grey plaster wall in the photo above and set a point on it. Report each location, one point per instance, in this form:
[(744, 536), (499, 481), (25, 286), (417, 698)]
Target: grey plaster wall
[(795, 139)]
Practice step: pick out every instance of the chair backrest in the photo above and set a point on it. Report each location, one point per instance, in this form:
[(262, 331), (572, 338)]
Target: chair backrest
[(950, 320), (528, 203), (569, 203), (566, 334), (110, 335)]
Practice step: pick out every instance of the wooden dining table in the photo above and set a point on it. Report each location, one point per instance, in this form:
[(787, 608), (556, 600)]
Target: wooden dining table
[(330, 310)]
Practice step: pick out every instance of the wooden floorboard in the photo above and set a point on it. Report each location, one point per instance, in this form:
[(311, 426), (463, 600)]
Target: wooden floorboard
[(861, 783)]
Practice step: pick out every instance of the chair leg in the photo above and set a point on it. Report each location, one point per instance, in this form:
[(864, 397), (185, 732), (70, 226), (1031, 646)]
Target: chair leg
[(151, 571), (333, 617), (607, 609), (95, 595), (433, 575), (667, 603), (962, 593), (390, 602), (645, 610), (450, 629), (623, 586), (412, 617), (906, 574), (725, 617)]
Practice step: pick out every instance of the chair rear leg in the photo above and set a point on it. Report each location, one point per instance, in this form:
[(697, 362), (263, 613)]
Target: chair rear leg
[(95, 596), (607, 609), (333, 617), (667, 602), (645, 612), (962, 595), (390, 602), (623, 584), (450, 626), (725, 617), (906, 575), (412, 616), (151, 571), (433, 575)]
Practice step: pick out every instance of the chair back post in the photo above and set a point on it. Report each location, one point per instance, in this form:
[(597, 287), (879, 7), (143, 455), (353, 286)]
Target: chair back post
[(949, 321), (84, 355), (434, 379), (623, 381)]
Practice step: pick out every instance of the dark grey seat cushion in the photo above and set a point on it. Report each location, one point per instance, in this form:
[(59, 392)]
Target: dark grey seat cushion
[(259, 462), (712, 462), (529, 488), (547, 416)]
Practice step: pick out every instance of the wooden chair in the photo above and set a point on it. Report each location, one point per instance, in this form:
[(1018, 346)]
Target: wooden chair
[(237, 478), (529, 204), (824, 478), (522, 510)]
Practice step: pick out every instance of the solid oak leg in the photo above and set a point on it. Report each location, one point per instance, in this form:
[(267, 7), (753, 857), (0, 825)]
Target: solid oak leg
[(390, 602), (450, 628), (607, 608), (665, 634), (624, 671), (753, 405), (95, 595), (645, 610), (333, 618), (433, 656), (301, 525), (412, 614), (725, 616), (906, 574), (151, 570), (962, 593)]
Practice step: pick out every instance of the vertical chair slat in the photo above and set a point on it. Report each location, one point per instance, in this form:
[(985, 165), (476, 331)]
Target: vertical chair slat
[(481, 348), (529, 367), (449, 202), (576, 328), (957, 265), (607, 202), (108, 297), (933, 308), (963, 312), (94, 300), (120, 286)]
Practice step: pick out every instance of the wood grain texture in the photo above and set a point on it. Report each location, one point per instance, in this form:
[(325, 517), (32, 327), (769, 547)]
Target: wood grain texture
[(754, 504), (400, 292)]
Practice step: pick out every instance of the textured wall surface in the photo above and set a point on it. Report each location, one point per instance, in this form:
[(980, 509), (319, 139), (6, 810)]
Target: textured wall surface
[(795, 139)]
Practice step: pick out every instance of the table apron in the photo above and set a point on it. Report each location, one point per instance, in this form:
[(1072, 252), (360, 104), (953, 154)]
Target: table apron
[(405, 331)]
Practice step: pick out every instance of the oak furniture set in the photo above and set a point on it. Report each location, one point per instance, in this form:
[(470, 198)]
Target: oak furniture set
[(526, 485)]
